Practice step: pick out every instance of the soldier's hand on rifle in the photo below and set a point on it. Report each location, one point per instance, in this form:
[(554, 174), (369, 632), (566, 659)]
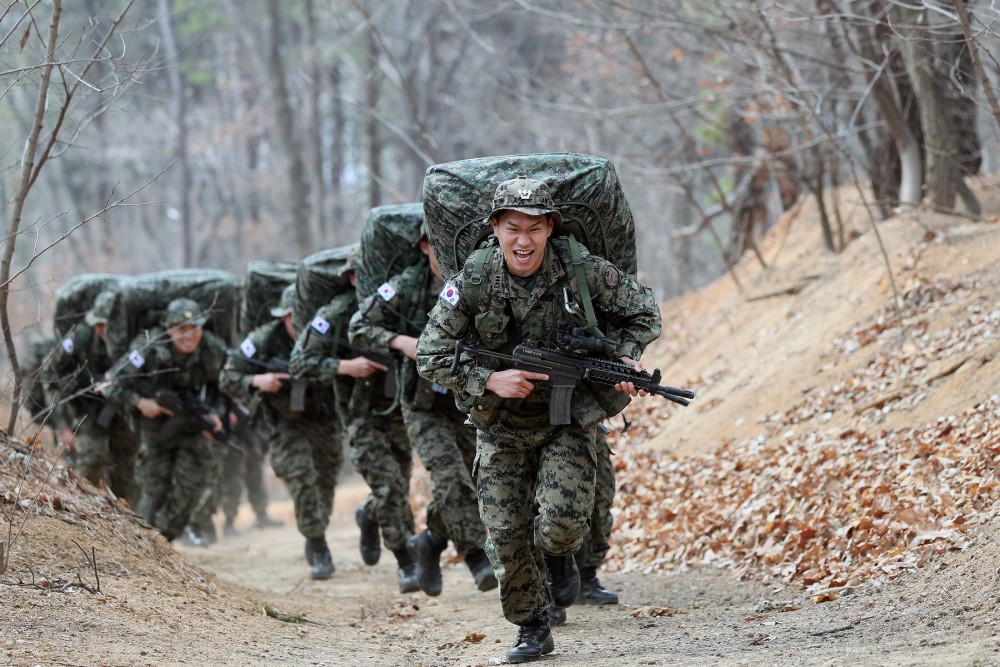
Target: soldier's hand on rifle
[(269, 383), (67, 438), (628, 387), (405, 344), (513, 383), (216, 424), (359, 367), (150, 409)]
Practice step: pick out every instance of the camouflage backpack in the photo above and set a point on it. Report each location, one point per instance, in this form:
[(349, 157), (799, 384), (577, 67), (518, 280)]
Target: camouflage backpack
[(388, 245), (35, 397), (145, 298), (458, 197), (262, 287), (76, 297), (318, 279)]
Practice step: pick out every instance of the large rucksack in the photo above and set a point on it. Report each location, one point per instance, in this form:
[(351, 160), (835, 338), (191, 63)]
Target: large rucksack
[(319, 278), (76, 297), (388, 245), (144, 298), (458, 197), (263, 284)]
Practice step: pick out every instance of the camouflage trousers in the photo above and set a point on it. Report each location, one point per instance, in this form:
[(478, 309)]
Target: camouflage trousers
[(447, 449), (307, 455), (175, 478), (239, 470), (595, 548), (542, 496), (381, 452), (108, 454)]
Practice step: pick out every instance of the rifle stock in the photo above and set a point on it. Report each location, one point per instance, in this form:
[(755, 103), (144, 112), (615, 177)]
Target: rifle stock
[(565, 370)]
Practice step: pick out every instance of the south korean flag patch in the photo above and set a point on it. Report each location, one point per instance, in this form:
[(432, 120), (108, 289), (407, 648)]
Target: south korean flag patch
[(386, 291), (67, 345), (136, 359), (320, 324), (249, 349), (449, 294)]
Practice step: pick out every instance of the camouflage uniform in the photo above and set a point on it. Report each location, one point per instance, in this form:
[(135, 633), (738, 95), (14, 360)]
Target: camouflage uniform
[(177, 467), (105, 442), (522, 459), (373, 426), (246, 469), (436, 428), (305, 446)]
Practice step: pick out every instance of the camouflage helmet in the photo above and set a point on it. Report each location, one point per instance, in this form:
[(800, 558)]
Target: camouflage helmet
[(184, 311), (100, 312), (284, 306), (526, 195)]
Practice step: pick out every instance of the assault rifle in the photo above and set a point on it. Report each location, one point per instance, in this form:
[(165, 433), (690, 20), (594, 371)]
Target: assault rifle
[(565, 370), (278, 365), (189, 410), (384, 359)]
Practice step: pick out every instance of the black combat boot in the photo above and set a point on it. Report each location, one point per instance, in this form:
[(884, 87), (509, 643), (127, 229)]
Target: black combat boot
[(371, 548), (591, 590), (318, 555), (425, 549), (408, 582), (556, 615), (534, 640), (563, 580), (482, 570), (194, 537), (229, 529)]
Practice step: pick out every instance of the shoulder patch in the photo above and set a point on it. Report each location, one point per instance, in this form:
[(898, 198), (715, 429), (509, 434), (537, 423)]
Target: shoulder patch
[(136, 359), (320, 324), (449, 294), (611, 276), (248, 348), (386, 291), (67, 345)]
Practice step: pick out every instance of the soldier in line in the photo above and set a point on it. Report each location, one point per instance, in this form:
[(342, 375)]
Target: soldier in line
[(376, 437), (388, 322), (591, 554), (246, 470), (171, 377), (99, 439), (536, 481), (305, 442)]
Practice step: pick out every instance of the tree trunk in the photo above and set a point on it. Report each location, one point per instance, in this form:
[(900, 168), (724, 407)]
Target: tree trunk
[(315, 122), (179, 104), (371, 126), (285, 121), (338, 153)]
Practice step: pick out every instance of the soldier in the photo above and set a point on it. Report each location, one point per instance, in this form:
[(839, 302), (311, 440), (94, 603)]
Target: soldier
[(591, 554), (375, 434), (535, 480), (388, 322), (171, 377), (99, 439), (246, 470), (305, 440)]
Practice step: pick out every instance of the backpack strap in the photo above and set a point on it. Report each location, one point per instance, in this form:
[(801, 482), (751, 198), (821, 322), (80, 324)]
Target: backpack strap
[(573, 246), (475, 282)]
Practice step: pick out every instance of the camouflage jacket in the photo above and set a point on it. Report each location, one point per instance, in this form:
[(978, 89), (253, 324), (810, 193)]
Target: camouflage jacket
[(400, 307), (317, 353), (271, 342), (152, 365), (79, 362), (627, 311)]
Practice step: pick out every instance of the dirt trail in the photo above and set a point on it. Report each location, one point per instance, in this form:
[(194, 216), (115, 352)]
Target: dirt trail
[(754, 358)]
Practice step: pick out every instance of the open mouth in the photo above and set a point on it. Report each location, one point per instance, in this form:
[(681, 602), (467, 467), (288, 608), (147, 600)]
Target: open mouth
[(523, 255)]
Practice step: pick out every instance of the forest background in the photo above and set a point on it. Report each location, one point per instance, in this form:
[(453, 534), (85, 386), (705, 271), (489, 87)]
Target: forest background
[(138, 136)]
